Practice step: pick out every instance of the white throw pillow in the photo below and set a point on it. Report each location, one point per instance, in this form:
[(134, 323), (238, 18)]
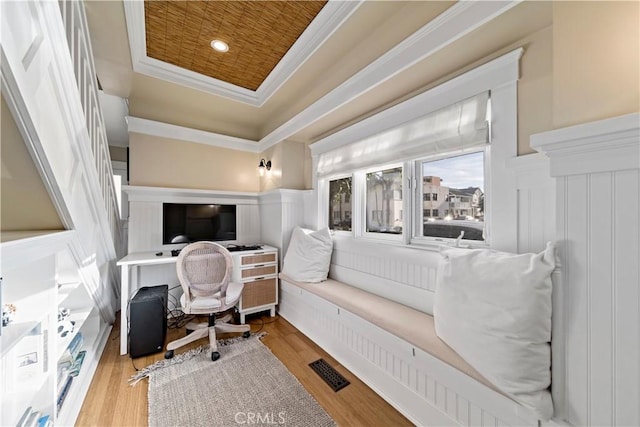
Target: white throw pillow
[(309, 255), (494, 309)]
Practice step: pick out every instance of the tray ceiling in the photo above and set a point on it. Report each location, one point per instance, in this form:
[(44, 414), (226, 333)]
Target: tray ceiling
[(268, 41), (258, 34), (352, 60)]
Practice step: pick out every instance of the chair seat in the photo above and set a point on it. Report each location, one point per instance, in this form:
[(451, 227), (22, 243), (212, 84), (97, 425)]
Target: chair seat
[(208, 304), (205, 269)]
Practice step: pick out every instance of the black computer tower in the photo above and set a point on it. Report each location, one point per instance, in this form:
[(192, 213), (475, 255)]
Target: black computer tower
[(148, 320)]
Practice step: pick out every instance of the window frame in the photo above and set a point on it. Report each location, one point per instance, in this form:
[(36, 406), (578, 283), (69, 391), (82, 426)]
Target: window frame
[(360, 186), (412, 203), (326, 203), (417, 205)]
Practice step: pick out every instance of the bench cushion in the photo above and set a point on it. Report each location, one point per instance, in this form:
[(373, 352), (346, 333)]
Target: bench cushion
[(413, 326)]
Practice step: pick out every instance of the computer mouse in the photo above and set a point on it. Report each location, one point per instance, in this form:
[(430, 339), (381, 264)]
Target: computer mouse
[(158, 253)]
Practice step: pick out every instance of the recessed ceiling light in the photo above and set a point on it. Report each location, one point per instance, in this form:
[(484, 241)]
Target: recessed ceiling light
[(219, 45)]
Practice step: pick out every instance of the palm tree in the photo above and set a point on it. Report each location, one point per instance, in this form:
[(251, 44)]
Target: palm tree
[(387, 182), (340, 188)]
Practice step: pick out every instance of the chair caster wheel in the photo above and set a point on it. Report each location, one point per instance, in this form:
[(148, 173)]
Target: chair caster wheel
[(168, 354), (246, 334), (215, 356)]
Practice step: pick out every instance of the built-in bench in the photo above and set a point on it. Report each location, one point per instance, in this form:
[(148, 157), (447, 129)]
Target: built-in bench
[(394, 349)]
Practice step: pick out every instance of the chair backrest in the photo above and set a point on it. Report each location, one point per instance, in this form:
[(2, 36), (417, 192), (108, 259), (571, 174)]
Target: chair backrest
[(204, 269)]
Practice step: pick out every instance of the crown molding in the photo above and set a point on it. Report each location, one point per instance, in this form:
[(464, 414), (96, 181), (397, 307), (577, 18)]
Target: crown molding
[(599, 146), (330, 18), (457, 21), (454, 23), (166, 130)]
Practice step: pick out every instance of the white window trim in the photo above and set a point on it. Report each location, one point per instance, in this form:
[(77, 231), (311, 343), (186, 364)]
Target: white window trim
[(416, 194), (361, 185), (500, 76), (323, 184)]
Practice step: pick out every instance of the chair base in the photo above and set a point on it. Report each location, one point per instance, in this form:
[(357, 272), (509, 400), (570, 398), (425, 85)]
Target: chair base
[(201, 330)]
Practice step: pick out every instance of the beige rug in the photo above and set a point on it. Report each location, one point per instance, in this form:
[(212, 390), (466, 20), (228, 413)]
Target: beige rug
[(248, 385)]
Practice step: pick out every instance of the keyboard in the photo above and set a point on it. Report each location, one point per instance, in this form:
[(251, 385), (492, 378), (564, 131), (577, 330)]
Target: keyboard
[(234, 248)]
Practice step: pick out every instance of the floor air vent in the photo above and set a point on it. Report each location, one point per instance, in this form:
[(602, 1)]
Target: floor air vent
[(329, 375)]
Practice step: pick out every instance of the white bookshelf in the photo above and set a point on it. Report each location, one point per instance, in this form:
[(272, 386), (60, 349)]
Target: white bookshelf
[(40, 275)]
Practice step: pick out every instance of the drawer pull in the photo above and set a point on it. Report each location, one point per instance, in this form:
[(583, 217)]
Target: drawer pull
[(258, 278), (259, 265)]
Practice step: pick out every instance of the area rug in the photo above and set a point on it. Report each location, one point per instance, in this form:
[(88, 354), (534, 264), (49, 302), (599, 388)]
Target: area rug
[(247, 385)]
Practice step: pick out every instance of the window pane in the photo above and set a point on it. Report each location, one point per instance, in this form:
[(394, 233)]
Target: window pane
[(384, 201), (456, 201), (340, 204)]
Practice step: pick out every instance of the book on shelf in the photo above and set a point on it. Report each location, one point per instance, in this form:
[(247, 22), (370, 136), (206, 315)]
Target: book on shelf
[(70, 354), (44, 421), (63, 373), (75, 344), (77, 365), (63, 393), (33, 418), (32, 421), (22, 422)]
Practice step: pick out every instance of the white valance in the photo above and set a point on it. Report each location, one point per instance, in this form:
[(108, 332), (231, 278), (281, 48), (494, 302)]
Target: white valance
[(460, 126)]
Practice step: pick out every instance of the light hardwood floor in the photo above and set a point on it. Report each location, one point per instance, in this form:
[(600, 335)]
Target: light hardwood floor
[(111, 401)]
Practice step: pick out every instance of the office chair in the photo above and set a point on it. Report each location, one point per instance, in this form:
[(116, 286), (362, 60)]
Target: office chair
[(204, 271)]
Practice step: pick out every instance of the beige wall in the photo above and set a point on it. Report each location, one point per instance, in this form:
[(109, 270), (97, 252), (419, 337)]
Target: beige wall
[(596, 51), (293, 157), (273, 178), (164, 162), (25, 203), (118, 154), (287, 166), (535, 89)]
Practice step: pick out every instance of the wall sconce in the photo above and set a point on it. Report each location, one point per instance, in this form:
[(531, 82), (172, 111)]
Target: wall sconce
[(264, 165)]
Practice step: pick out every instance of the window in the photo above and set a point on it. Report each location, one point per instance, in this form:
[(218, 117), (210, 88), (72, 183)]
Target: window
[(340, 204), (459, 181), (427, 197), (384, 201)]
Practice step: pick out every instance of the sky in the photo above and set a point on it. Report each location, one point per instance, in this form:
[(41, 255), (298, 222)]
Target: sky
[(462, 171)]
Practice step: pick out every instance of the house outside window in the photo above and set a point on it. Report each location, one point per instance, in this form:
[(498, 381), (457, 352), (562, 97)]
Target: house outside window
[(454, 186)]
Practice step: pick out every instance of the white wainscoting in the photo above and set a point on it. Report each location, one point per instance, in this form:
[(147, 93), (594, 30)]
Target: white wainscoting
[(281, 210), (597, 166), (401, 274), (145, 214), (426, 390), (536, 202)]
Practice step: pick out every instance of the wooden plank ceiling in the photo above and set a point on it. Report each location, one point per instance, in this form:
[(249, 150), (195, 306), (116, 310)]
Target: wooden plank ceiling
[(259, 34)]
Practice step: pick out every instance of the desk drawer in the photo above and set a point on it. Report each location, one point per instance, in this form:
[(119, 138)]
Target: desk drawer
[(259, 270), (258, 259), (259, 292)]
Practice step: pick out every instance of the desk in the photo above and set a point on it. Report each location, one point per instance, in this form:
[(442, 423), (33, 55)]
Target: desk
[(256, 269), (129, 269)]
